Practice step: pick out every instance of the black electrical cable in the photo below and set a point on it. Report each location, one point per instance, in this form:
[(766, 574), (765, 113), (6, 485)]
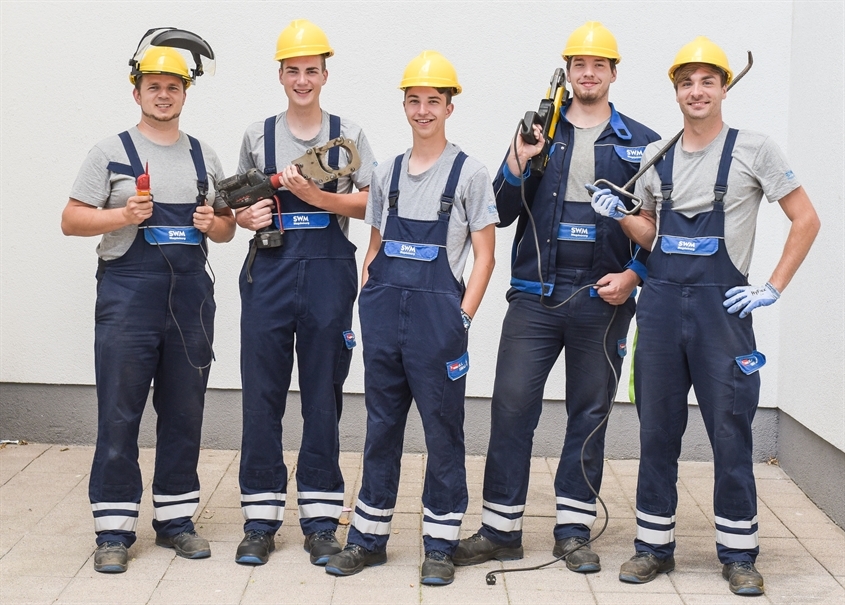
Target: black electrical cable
[(490, 578), (202, 304)]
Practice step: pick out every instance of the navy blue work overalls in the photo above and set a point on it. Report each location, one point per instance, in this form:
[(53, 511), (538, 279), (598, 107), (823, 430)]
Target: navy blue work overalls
[(301, 297), (415, 346), (687, 338), (154, 322)]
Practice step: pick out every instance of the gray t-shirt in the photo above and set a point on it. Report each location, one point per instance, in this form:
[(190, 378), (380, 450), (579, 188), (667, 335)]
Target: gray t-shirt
[(289, 148), (419, 198), (758, 168), (173, 180), (582, 164)]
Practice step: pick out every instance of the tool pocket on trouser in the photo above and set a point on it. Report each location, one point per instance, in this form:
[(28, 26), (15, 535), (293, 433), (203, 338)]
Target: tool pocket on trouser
[(746, 390)]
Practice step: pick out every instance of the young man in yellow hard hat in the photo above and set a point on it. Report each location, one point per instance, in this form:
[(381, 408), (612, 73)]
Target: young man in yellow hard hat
[(699, 214), (428, 208), (576, 248), (155, 307), (297, 288)]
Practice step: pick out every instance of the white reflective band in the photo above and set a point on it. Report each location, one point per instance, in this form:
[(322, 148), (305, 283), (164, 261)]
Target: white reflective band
[(365, 526), (565, 517), (115, 506), (262, 496), (739, 541), (519, 508), (446, 517), (263, 511), (113, 522), (320, 496), (576, 504), (376, 512), (736, 524), (179, 498), (175, 511), (656, 537), (655, 518), (488, 517), (444, 532), (309, 511)]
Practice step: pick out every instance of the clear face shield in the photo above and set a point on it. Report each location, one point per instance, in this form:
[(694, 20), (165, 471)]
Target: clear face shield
[(177, 38)]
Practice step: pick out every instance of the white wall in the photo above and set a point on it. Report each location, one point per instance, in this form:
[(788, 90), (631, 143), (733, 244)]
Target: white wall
[(64, 87)]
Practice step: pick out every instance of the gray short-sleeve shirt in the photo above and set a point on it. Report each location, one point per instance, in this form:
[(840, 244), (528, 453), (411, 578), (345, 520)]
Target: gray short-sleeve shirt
[(289, 148), (173, 180), (419, 198), (758, 168)]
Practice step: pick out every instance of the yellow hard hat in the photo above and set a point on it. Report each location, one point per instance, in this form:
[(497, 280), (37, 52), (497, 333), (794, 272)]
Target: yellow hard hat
[(162, 60), (592, 39), (302, 39), (702, 50), (430, 68)]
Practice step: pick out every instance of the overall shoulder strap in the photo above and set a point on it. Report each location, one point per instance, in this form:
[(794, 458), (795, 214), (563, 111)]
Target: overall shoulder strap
[(270, 145), (199, 166), (393, 194), (334, 132), (448, 196), (721, 186), (665, 169), (135, 168)]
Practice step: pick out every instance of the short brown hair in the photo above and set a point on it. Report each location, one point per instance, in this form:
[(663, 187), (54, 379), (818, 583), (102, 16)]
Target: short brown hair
[(139, 76), (687, 69), (441, 91), (613, 63), (322, 61)]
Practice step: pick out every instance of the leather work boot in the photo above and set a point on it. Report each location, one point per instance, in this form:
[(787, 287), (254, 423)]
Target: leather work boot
[(255, 548), (110, 557), (643, 567), (478, 549), (437, 569), (353, 559), (321, 545), (582, 560), (187, 544), (743, 578)]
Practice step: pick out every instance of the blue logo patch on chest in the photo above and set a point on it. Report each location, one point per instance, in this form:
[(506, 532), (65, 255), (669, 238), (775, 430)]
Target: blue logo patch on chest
[(411, 251), (577, 233), (692, 246), (159, 236), (304, 220), (630, 154)]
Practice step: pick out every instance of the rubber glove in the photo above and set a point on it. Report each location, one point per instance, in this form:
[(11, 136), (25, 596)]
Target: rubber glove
[(605, 203), (748, 298)]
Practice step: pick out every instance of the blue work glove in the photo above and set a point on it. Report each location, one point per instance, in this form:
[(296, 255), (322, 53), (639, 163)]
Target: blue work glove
[(466, 319), (749, 298), (605, 203)]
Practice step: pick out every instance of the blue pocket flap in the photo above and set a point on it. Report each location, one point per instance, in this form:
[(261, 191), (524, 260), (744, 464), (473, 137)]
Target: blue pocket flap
[(751, 363), (458, 368)]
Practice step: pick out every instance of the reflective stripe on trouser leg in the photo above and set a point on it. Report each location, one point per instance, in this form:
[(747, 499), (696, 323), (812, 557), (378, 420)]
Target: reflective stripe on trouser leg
[(502, 518), (371, 520), (736, 535), (444, 527), (167, 508), (655, 530), (268, 507), (319, 504), (571, 512), (115, 516)]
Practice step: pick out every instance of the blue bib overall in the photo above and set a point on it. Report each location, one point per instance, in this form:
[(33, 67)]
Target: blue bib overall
[(300, 298), (687, 338), (415, 347), (154, 322)]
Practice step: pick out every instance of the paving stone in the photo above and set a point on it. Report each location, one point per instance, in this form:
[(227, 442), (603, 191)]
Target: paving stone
[(14, 458), (30, 590), (632, 597), (62, 556), (829, 552), (117, 589)]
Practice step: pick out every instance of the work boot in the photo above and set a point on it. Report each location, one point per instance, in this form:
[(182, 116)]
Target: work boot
[(743, 578), (437, 569), (643, 567), (353, 559), (110, 557), (478, 549), (187, 544), (255, 548), (582, 560), (321, 545)]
